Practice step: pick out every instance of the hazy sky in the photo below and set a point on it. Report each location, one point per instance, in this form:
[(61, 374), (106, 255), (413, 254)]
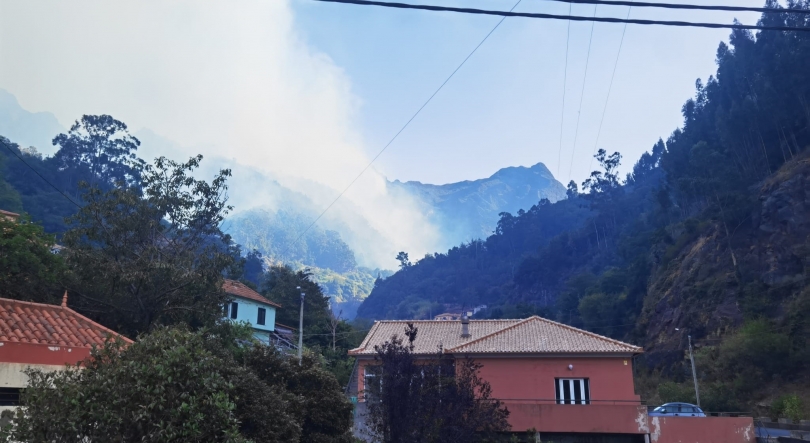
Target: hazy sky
[(315, 90)]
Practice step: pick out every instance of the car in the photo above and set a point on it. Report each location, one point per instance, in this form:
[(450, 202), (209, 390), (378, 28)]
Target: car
[(677, 410)]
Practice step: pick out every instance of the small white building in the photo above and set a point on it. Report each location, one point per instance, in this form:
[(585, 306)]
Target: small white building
[(248, 305)]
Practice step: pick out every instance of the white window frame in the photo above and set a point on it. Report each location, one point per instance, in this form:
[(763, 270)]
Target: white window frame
[(571, 384)]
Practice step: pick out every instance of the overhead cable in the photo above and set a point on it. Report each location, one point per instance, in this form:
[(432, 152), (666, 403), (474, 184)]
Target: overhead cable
[(683, 6), (40, 176), (298, 238), (565, 82), (610, 87), (582, 96), (566, 17)]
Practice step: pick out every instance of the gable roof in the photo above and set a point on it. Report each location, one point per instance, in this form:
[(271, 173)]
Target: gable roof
[(238, 289), (534, 335), (39, 323)]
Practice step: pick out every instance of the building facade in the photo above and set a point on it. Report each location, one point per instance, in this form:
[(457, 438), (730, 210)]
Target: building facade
[(562, 382), (249, 306)]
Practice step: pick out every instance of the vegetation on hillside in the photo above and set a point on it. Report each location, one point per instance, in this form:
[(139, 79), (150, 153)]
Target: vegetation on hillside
[(707, 234)]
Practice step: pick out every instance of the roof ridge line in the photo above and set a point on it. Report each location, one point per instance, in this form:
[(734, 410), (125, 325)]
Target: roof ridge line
[(491, 334), (126, 339), (46, 305), (365, 341), (592, 334)]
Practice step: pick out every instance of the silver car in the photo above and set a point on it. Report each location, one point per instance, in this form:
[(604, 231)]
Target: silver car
[(677, 410)]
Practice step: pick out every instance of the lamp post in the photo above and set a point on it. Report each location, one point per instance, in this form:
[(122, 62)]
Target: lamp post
[(300, 328), (694, 373)]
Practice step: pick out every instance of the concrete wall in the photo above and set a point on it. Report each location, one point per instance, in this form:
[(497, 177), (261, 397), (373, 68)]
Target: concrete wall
[(702, 430), (41, 354), (611, 378), (12, 375), (249, 311), (593, 418)]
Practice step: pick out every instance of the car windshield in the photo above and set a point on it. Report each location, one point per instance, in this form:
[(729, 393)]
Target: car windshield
[(659, 409)]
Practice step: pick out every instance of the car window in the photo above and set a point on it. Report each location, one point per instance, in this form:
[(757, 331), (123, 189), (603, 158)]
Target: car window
[(660, 409)]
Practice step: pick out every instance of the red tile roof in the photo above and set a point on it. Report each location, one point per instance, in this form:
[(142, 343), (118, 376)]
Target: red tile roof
[(241, 290), (533, 335), (27, 322)]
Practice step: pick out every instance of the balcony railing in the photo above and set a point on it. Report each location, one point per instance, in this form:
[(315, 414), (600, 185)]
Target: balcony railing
[(553, 401)]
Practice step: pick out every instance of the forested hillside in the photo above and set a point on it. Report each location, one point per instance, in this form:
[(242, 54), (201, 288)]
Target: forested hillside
[(708, 234)]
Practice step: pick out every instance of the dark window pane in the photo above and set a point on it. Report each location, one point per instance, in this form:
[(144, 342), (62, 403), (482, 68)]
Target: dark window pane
[(260, 320), (587, 391), (578, 391), (557, 390), (566, 390), (234, 309), (10, 396)]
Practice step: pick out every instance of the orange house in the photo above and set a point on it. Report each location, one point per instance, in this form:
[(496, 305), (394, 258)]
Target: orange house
[(562, 382), (553, 378)]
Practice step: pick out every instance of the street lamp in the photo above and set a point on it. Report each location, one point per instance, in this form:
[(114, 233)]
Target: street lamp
[(694, 374), (300, 328)]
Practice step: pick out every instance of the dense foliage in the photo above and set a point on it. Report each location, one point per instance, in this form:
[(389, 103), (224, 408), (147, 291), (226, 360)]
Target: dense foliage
[(152, 253), (29, 269), (433, 399), (175, 385)]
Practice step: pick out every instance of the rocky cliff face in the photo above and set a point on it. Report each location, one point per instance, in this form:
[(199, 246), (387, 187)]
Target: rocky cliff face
[(470, 209), (709, 282)]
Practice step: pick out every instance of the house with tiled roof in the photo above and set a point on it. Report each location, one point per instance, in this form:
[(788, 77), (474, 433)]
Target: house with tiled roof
[(247, 305), (45, 337), (563, 383), (552, 377)]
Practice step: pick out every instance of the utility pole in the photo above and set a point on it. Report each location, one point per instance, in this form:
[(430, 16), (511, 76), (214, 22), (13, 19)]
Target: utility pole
[(694, 374), (301, 329)]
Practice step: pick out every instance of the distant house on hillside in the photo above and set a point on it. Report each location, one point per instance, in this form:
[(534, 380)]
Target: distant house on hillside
[(13, 216), (563, 383), (45, 337), (248, 305)]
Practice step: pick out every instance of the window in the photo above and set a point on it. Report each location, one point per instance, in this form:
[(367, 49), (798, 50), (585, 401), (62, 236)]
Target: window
[(573, 391), (234, 309), (10, 396), (262, 313)]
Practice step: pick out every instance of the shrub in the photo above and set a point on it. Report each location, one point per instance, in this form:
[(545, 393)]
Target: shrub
[(788, 406)]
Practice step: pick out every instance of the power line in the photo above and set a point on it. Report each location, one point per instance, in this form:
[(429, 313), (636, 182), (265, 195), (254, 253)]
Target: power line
[(582, 95), (565, 82), (685, 6), (398, 132), (610, 87), (40, 176), (564, 17)]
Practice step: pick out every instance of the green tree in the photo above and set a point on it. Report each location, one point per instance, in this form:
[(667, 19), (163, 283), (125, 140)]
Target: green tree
[(28, 269), (153, 254), (402, 258), (165, 387), (102, 145)]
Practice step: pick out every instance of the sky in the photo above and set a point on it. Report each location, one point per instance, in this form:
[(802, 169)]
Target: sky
[(318, 89), (314, 91)]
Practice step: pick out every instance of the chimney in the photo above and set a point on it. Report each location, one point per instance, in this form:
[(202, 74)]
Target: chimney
[(465, 327), (64, 300)]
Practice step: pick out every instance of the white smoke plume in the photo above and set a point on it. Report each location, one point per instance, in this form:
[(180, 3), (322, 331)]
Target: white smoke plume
[(233, 79)]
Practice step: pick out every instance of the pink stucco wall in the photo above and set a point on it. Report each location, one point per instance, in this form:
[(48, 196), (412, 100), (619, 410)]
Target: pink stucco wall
[(702, 430)]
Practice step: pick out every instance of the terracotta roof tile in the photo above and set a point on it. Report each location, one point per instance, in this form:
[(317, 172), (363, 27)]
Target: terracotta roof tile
[(28, 322), (534, 335), (241, 290)]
